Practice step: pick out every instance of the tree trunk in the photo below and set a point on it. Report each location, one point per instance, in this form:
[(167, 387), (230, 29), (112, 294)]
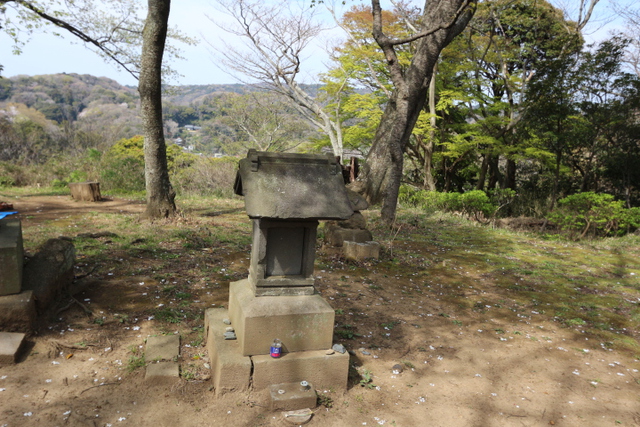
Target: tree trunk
[(494, 171), (382, 173), (160, 193), (429, 183), (482, 176), (510, 176)]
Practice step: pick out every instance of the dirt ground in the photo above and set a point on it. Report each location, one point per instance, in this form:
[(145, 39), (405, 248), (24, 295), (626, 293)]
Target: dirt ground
[(488, 367)]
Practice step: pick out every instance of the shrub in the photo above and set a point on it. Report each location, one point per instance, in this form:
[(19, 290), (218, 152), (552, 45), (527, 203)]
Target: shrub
[(474, 204), (122, 175), (594, 214)]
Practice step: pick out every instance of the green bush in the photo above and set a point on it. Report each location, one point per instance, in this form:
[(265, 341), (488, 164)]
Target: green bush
[(7, 181), (593, 214), (474, 204)]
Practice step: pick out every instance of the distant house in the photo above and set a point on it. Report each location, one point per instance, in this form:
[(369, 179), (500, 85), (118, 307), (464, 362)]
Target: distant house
[(192, 128)]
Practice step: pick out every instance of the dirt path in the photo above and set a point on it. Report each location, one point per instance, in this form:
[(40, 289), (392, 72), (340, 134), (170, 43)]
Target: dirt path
[(494, 366)]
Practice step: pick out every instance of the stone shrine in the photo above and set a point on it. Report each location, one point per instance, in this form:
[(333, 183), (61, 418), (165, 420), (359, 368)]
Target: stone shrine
[(285, 197)]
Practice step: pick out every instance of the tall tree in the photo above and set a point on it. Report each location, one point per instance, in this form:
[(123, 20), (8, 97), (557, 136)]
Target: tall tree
[(160, 193), (442, 20), (116, 35)]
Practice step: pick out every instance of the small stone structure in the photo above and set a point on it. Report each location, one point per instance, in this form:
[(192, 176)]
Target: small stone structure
[(26, 289), (87, 191), (17, 308), (285, 196), (11, 255), (352, 234)]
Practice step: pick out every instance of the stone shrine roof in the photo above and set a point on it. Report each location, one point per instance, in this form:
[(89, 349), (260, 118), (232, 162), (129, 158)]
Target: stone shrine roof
[(292, 186)]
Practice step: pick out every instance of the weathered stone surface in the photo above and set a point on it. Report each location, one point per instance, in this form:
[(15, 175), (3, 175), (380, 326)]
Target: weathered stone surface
[(162, 373), (322, 370), (298, 417), (356, 221), (287, 186), (10, 344), (361, 251), (11, 255), (301, 322), (50, 272), (336, 236), (291, 396), (87, 191), (282, 256), (17, 312), (358, 203), (165, 347), (231, 371)]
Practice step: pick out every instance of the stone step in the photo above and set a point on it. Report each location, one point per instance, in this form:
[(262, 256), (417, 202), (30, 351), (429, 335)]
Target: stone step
[(10, 345), (162, 352)]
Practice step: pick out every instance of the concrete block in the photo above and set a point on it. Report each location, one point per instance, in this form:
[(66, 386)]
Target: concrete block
[(162, 373), (292, 396), (302, 322), (361, 251), (50, 272), (17, 312), (87, 191), (316, 367), (231, 371), (166, 347), (11, 256), (10, 344)]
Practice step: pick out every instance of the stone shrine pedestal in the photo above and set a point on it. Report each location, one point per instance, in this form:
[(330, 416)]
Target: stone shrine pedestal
[(285, 196)]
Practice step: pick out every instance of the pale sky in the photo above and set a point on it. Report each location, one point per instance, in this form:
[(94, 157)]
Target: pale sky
[(48, 54)]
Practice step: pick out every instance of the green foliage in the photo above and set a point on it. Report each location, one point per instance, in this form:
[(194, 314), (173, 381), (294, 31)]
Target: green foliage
[(594, 214), (6, 181), (123, 164), (473, 204), (122, 174)]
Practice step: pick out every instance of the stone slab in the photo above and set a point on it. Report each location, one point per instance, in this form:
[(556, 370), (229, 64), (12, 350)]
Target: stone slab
[(10, 344), (361, 251), (292, 396), (18, 312), (11, 256), (162, 373), (292, 186), (316, 367), (166, 347), (231, 371), (303, 322)]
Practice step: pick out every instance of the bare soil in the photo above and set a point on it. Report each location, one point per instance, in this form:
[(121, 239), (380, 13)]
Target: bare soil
[(488, 366)]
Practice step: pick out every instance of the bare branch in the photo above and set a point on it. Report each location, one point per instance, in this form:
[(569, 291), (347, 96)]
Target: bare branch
[(77, 33)]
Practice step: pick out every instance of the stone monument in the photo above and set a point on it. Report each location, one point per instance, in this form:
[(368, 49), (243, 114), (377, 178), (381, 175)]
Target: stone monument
[(285, 196)]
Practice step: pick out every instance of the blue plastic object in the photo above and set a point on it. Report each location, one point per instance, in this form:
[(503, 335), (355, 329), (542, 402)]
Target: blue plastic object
[(5, 214)]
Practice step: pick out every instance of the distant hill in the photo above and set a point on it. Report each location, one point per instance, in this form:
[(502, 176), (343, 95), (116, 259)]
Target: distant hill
[(62, 97), (102, 107)]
